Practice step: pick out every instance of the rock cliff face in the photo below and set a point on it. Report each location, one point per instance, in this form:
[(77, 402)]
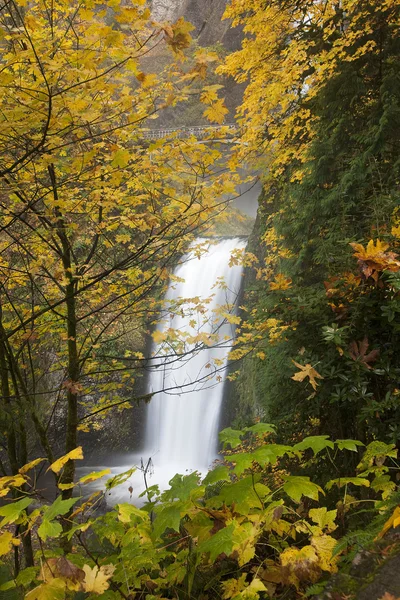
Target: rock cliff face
[(212, 29), (165, 10), (206, 16)]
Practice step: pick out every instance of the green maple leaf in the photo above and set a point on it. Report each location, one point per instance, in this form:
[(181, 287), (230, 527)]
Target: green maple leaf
[(296, 487), (59, 507), (242, 494), (231, 437), (182, 486), (52, 590), (220, 473), (9, 585), (315, 442), (242, 462), (49, 529), (357, 481), (348, 444), (26, 576), (200, 526), (270, 453), (261, 428), (78, 527), (168, 517), (220, 542), (12, 511)]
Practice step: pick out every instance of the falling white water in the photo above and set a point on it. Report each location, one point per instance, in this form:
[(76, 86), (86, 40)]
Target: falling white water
[(182, 420)]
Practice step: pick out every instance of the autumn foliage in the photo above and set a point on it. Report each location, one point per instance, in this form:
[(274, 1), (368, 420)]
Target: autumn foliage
[(93, 216)]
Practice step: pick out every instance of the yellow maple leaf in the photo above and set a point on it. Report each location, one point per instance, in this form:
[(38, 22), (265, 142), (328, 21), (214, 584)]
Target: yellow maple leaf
[(53, 589), (281, 283), (374, 258), (396, 231), (120, 158), (233, 587), (371, 251), (30, 465), (158, 336), (324, 546), (216, 112), (96, 580), (209, 93), (299, 564), (7, 541), (306, 371), (10, 481), (75, 454), (123, 238), (178, 35), (393, 521)]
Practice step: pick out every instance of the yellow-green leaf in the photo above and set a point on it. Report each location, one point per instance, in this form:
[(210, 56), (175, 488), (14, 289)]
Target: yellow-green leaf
[(12, 511), (296, 487), (324, 518), (7, 541), (120, 158), (49, 529), (53, 590), (94, 476)]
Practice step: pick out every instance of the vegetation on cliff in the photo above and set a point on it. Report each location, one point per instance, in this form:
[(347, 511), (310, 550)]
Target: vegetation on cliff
[(326, 286)]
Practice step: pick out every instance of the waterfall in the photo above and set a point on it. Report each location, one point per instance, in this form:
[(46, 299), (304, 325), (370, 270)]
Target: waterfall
[(182, 422)]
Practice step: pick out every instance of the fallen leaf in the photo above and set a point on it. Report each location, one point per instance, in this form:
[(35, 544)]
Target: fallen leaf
[(306, 371)]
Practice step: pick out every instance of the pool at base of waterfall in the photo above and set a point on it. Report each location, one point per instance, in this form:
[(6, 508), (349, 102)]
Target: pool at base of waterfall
[(134, 487)]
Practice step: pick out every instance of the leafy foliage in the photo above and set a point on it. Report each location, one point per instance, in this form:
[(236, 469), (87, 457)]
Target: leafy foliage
[(272, 529)]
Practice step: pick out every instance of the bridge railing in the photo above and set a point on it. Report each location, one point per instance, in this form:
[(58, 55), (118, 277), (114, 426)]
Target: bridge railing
[(198, 131)]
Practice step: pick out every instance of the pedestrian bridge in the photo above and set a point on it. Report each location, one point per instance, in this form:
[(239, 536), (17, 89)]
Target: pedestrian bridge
[(226, 131)]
